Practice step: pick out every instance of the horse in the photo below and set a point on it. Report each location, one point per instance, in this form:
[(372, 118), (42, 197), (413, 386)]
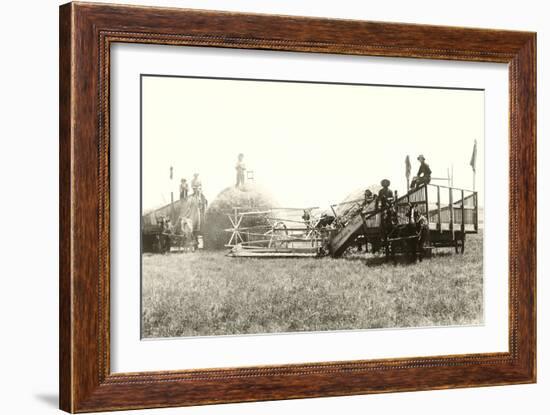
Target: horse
[(411, 236), (184, 232), (163, 237)]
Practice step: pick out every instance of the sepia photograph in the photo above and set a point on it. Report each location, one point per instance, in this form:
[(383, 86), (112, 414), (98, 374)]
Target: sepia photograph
[(262, 205), (284, 206)]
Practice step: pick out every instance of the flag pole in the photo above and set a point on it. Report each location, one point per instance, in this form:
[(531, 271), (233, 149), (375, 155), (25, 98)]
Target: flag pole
[(408, 172), (452, 175), (473, 160), (171, 193)]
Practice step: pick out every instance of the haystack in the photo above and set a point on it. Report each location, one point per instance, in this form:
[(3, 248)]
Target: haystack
[(247, 198)]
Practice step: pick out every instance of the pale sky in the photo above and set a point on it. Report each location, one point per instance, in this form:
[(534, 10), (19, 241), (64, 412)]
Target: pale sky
[(309, 144)]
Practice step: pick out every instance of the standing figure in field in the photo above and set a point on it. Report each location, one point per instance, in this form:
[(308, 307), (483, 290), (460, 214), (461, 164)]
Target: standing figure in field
[(196, 184), (422, 228), (384, 203), (364, 208), (241, 169), (424, 175), (417, 226), (184, 189)]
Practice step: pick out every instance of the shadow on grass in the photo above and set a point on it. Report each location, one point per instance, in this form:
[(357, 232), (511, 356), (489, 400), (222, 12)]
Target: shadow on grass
[(442, 254), (398, 259), (375, 260)]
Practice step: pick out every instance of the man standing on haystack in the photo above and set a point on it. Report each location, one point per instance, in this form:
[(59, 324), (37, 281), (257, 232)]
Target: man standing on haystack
[(241, 169)]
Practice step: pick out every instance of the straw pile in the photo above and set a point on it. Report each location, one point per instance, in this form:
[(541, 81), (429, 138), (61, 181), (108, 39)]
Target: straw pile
[(248, 198)]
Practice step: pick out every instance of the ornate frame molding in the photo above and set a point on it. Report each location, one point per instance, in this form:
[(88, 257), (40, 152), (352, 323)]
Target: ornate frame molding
[(86, 33)]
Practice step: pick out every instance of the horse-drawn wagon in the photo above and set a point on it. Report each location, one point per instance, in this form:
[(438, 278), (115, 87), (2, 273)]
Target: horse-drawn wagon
[(174, 226), (423, 219)]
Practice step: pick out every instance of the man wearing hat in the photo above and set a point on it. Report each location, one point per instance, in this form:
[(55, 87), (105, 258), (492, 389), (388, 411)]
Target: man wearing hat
[(385, 195), (384, 200), (424, 175)]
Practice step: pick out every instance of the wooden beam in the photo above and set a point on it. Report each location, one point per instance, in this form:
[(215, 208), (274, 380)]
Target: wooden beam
[(462, 210), (439, 211)]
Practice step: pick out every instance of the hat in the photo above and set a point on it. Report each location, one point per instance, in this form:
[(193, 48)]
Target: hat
[(421, 156), (385, 183)]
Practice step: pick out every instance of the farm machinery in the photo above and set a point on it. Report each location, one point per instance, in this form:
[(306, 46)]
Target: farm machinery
[(428, 217), (277, 232), (177, 225)]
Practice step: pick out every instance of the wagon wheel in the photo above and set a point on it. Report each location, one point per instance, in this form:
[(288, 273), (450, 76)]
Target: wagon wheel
[(390, 253), (459, 244), (388, 249), (278, 236)]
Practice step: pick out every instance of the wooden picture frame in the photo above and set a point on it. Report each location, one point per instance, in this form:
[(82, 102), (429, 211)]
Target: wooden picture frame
[(86, 33)]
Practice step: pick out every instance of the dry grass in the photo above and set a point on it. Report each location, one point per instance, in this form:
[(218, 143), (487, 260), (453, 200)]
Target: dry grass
[(206, 293)]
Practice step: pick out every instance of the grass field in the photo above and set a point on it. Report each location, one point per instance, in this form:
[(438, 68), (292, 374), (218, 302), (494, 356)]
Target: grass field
[(207, 293)]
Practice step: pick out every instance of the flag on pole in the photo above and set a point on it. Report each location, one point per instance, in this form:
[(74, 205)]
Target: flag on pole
[(474, 157), (452, 175), (407, 169)]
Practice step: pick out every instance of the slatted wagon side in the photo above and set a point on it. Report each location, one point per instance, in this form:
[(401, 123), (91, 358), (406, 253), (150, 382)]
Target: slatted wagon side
[(451, 213)]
